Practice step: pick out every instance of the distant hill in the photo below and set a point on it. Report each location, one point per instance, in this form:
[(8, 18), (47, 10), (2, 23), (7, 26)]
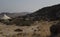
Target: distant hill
[(13, 15), (50, 13), (47, 13)]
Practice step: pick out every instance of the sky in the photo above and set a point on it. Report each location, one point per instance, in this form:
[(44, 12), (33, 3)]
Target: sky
[(25, 5)]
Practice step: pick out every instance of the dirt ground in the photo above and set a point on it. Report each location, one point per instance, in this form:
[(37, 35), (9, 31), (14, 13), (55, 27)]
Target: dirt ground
[(39, 29)]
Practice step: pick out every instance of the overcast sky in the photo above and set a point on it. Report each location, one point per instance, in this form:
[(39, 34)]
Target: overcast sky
[(25, 5)]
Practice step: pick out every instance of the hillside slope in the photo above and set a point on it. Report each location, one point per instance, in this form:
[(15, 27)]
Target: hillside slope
[(47, 13)]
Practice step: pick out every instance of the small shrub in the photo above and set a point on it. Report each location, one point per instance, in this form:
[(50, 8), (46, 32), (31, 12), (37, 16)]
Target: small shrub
[(18, 30)]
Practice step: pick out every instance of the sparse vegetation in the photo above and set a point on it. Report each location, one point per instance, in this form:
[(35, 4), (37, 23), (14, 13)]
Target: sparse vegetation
[(43, 23), (18, 30)]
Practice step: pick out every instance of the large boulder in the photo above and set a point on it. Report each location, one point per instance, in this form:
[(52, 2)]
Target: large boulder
[(55, 29)]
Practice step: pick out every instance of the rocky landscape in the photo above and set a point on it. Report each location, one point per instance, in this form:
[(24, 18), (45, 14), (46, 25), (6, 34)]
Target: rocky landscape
[(44, 22)]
